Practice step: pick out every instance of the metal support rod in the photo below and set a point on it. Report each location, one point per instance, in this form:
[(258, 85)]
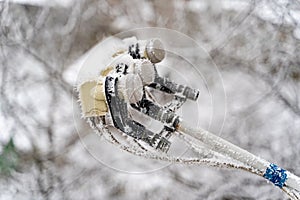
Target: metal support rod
[(224, 147)]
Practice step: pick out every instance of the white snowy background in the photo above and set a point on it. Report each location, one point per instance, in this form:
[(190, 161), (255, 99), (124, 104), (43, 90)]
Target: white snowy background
[(255, 45)]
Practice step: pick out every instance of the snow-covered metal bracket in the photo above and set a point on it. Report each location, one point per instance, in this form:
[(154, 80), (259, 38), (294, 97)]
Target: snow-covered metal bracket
[(124, 86)]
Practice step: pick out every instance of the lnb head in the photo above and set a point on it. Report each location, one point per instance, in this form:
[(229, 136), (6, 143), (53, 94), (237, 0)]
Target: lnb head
[(155, 50)]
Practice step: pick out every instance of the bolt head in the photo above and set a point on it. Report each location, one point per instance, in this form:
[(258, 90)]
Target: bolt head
[(155, 50)]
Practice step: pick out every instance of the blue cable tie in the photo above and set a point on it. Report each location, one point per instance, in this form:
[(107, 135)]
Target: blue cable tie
[(276, 175)]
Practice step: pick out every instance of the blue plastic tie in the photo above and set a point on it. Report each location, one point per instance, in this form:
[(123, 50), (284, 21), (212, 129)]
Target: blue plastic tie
[(276, 175)]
